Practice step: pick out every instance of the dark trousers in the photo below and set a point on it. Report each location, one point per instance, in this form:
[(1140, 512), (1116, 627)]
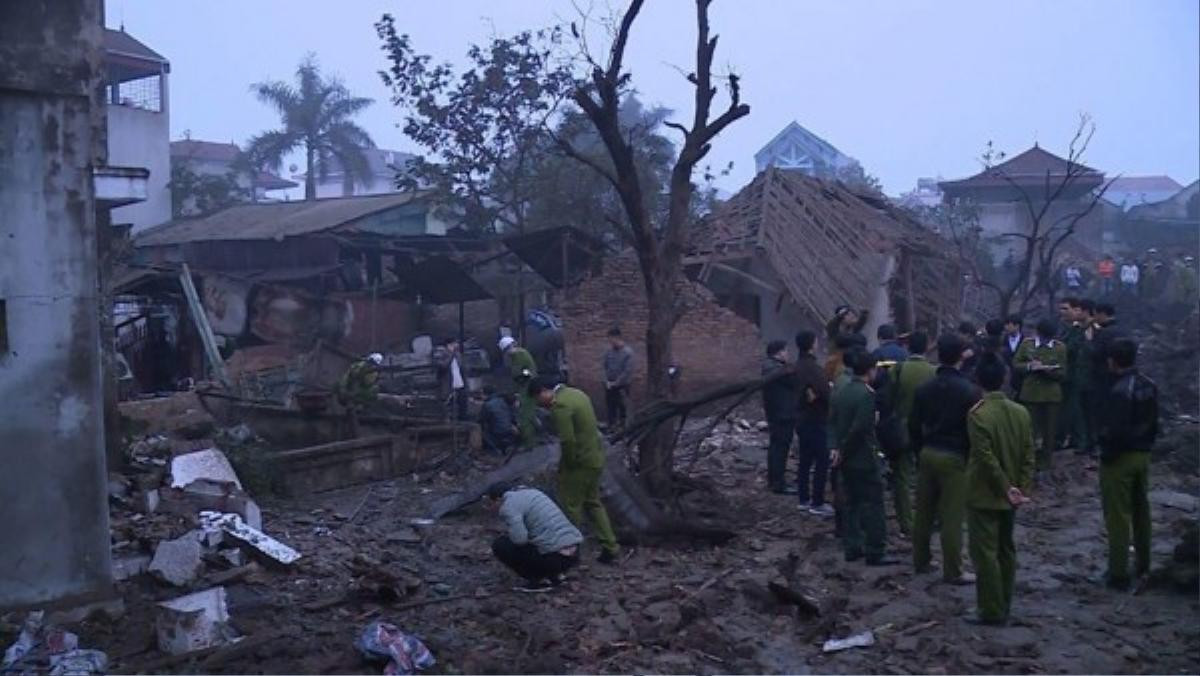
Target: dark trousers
[(781, 432), (614, 403), (525, 560), (813, 451), (865, 526), (458, 404)]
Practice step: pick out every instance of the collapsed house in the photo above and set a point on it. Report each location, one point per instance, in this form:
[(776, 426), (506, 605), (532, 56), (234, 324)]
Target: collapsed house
[(788, 249)]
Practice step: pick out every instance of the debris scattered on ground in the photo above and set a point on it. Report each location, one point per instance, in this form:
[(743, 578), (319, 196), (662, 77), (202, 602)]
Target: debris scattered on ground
[(235, 527), (404, 653), (194, 622), (863, 640), (209, 465), (42, 648)]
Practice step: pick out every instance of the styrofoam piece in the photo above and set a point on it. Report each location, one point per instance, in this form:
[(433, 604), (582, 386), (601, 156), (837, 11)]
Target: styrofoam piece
[(209, 464), (235, 527)]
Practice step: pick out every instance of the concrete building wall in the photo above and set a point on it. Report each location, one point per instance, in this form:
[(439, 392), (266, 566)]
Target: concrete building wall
[(55, 539), (142, 138)]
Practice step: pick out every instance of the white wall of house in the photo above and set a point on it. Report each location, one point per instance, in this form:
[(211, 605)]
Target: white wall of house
[(142, 138)]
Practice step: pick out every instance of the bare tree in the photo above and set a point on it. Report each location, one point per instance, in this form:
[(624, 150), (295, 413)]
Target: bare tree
[(659, 249), (1047, 230)]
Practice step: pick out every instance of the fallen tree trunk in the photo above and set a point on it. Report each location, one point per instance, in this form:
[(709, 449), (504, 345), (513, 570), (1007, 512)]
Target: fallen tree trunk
[(624, 496)]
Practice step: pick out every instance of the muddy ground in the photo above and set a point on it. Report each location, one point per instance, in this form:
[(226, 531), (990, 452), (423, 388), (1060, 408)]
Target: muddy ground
[(666, 609)]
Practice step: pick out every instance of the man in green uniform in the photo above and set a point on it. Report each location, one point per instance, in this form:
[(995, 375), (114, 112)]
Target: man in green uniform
[(1077, 384), (855, 453), (1043, 360), (1129, 425), (523, 371), (999, 474), (907, 376), (359, 388), (937, 426), (582, 460)]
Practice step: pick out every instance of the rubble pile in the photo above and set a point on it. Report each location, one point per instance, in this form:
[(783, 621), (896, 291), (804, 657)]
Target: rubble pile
[(371, 564)]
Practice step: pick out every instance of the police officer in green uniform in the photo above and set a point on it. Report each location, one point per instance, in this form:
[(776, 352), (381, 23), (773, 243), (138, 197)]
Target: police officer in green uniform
[(1077, 385), (937, 426), (359, 388), (855, 454), (907, 376), (1128, 427), (523, 371), (1043, 360), (582, 461), (999, 476)]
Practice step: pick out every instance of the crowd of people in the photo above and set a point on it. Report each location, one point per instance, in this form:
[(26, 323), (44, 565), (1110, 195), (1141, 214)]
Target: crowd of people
[(962, 433), (1148, 275)]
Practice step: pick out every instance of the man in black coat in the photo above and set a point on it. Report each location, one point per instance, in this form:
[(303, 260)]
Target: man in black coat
[(781, 405)]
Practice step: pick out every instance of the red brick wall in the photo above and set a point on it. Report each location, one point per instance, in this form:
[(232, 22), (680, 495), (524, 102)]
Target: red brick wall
[(711, 344)]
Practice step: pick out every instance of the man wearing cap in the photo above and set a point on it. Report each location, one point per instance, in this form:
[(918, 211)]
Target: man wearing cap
[(359, 388), (523, 371), (582, 462)]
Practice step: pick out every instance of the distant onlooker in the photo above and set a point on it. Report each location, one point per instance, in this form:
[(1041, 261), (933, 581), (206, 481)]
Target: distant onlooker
[(1130, 275), (1073, 278), (1106, 269), (618, 375)]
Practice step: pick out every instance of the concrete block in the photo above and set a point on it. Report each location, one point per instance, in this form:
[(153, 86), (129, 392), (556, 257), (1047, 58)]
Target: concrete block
[(209, 464), (177, 561), (194, 622)]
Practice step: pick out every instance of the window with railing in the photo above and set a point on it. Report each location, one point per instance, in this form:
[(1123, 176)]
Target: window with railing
[(144, 93)]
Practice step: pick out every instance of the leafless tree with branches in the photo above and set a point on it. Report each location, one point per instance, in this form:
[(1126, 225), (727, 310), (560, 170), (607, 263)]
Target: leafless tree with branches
[(659, 249)]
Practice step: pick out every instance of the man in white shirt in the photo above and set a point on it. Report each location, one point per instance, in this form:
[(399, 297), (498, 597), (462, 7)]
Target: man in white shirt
[(1129, 278), (458, 384)]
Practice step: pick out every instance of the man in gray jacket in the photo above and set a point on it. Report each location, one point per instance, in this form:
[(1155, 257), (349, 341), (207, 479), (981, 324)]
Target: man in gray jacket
[(618, 375), (541, 543)]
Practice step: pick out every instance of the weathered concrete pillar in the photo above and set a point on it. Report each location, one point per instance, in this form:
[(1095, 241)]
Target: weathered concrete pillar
[(54, 539)]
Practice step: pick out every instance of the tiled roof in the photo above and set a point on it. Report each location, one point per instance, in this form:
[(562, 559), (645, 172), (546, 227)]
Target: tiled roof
[(1031, 166), (124, 44)]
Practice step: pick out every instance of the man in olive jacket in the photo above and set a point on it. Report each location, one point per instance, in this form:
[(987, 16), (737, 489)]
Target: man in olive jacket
[(906, 378), (582, 461), (523, 371), (855, 453), (1043, 360), (999, 474)]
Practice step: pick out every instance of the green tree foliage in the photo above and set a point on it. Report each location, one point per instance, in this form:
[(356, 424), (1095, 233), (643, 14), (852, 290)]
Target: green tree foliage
[(484, 128), (317, 117), (196, 194)]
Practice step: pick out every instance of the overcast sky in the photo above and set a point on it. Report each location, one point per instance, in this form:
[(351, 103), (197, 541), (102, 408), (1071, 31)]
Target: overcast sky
[(910, 88)]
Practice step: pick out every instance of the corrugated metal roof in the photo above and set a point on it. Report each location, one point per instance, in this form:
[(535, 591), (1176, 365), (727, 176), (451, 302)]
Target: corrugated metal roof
[(273, 221)]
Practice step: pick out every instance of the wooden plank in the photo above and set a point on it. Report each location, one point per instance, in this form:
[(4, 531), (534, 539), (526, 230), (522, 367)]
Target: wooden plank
[(203, 327)]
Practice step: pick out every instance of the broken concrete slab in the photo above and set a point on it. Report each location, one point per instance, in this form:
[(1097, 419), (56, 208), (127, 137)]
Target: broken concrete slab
[(258, 541), (209, 464), (194, 622), (177, 561)]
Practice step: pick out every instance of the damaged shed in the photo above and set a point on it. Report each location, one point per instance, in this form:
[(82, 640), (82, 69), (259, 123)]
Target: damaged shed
[(788, 249)]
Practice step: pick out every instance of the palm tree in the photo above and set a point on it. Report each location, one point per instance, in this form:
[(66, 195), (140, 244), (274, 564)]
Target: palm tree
[(316, 115)]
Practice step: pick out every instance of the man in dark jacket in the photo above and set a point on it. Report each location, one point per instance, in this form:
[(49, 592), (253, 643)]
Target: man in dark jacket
[(969, 335), (498, 421), (937, 426), (813, 449), (1014, 335), (1128, 428), (781, 407), (889, 348)]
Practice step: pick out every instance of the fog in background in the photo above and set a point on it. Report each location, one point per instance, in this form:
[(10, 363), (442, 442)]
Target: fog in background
[(910, 88)]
